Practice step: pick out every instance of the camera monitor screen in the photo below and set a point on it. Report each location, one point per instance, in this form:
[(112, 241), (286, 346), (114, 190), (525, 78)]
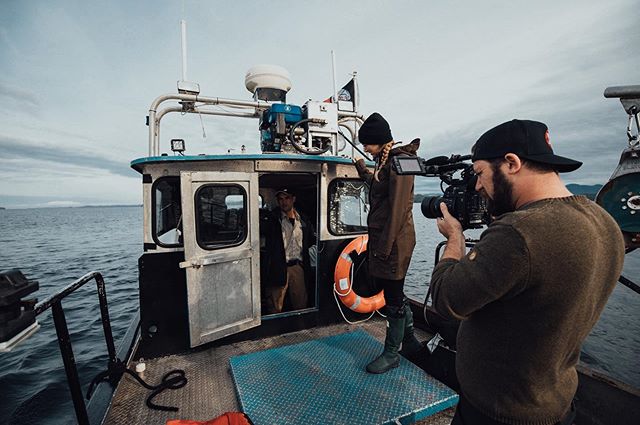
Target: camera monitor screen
[(409, 165)]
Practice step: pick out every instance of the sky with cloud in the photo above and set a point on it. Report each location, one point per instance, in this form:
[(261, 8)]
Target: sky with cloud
[(77, 79)]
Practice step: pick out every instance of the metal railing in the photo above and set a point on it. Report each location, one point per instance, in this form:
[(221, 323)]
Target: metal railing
[(55, 303), (194, 104)]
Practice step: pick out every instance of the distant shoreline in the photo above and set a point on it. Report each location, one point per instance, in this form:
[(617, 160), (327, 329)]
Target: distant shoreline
[(105, 206), (577, 189), (73, 206)]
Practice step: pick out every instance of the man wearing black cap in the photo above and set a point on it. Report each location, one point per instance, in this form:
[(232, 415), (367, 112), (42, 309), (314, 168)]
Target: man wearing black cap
[(531, 289), (288, 238)]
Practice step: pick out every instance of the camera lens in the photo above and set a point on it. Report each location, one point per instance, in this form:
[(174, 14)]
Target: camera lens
[(431, 206)]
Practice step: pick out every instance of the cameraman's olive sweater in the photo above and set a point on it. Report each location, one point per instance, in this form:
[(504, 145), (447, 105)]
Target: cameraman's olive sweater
[(528, 295)]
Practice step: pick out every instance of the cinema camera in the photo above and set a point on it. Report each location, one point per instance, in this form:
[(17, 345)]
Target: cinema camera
[(460, 196)]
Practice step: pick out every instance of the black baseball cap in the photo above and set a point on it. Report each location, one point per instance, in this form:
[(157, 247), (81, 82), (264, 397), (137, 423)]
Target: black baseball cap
[(527, 139), (286, 191)]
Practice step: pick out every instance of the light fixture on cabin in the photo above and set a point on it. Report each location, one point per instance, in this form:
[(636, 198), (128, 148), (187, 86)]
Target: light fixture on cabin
[(177, 146)]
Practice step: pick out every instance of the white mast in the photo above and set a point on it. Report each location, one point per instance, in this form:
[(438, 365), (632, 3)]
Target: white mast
[(185, 86), (183, 27), (333, 71)]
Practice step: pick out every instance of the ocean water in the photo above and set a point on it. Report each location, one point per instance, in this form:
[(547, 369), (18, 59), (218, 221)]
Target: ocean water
[(58, 245)]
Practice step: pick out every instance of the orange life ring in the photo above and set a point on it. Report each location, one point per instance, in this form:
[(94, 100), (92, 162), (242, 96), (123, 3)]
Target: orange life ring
[(343, 276)]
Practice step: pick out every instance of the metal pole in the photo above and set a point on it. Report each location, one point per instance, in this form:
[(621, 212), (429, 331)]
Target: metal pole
[(69, 363), (183, 27), (629, 284), (355, 109), (335, 95), (106, 322), (356, 93), (333, 71), (165, 111), (43, 306), (154, 122)]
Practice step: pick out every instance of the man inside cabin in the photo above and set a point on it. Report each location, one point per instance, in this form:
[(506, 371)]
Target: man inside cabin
[(288, 238), (531, 289)]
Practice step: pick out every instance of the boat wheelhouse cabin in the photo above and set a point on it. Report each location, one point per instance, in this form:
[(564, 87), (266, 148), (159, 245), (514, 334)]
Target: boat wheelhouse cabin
[(203, 214), (202, 232)]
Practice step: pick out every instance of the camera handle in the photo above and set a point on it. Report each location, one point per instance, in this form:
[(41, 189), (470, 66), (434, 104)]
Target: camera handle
[(469, 243)]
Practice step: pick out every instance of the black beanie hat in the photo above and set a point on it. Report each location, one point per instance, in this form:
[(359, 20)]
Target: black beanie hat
[(375, 131)]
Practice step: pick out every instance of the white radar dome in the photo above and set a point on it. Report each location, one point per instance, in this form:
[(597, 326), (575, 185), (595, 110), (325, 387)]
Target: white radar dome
[(267, 76)]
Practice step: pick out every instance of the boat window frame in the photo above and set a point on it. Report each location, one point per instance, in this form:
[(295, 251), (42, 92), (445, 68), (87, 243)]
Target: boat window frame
[(245, 198), (330, 188), (154, 221)]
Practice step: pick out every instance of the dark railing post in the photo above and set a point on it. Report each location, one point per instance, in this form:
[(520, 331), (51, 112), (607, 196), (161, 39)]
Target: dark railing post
[(106, 322), (629, 284), (69, 363)]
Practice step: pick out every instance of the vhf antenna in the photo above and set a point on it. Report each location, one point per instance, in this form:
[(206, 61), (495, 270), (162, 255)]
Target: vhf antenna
[(185, 86)]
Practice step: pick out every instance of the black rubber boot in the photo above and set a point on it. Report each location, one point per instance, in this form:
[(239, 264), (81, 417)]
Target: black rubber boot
[(410, 344), (389, 357)]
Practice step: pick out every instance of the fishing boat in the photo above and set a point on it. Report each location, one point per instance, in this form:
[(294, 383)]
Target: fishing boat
[(202, 344)]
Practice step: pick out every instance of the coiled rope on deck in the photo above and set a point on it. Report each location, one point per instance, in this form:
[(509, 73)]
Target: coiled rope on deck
[(171, 380)]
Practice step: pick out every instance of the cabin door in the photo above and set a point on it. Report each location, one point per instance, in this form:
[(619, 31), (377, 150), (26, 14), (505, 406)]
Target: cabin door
[(222, 253)]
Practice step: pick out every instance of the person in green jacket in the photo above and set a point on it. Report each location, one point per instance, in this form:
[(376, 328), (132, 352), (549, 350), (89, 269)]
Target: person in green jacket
[(391, 236), (531, 289)]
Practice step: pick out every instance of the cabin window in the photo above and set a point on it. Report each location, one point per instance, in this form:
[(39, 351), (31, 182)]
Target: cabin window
[(348, 206), (221, 216), (167, 218)]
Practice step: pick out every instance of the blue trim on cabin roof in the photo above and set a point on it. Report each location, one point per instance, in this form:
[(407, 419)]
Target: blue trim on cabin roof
[(137, 164)]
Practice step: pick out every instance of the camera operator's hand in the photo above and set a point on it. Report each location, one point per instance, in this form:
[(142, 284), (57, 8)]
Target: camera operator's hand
[(451, 229), (448, 225)]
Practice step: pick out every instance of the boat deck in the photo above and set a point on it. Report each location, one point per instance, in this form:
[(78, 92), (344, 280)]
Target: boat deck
[(210, 390)]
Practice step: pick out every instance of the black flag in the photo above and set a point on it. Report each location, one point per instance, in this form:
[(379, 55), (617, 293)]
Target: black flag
[(346, 94)]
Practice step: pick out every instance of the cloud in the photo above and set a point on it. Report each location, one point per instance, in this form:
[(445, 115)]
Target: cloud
[(567, 95), (19, 95), (14, 98), (6, 41), (14, 148)]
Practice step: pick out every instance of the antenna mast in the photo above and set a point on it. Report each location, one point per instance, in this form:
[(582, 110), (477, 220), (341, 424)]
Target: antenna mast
[(185, 86), (333, 70), (183, 28)]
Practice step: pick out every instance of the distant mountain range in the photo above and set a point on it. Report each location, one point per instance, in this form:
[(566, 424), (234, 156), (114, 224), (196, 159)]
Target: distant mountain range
[(581, 189), (77, 206), (577, 189), (589, 191)]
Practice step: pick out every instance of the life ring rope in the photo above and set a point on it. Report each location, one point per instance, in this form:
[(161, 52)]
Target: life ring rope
[(345, 317)]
